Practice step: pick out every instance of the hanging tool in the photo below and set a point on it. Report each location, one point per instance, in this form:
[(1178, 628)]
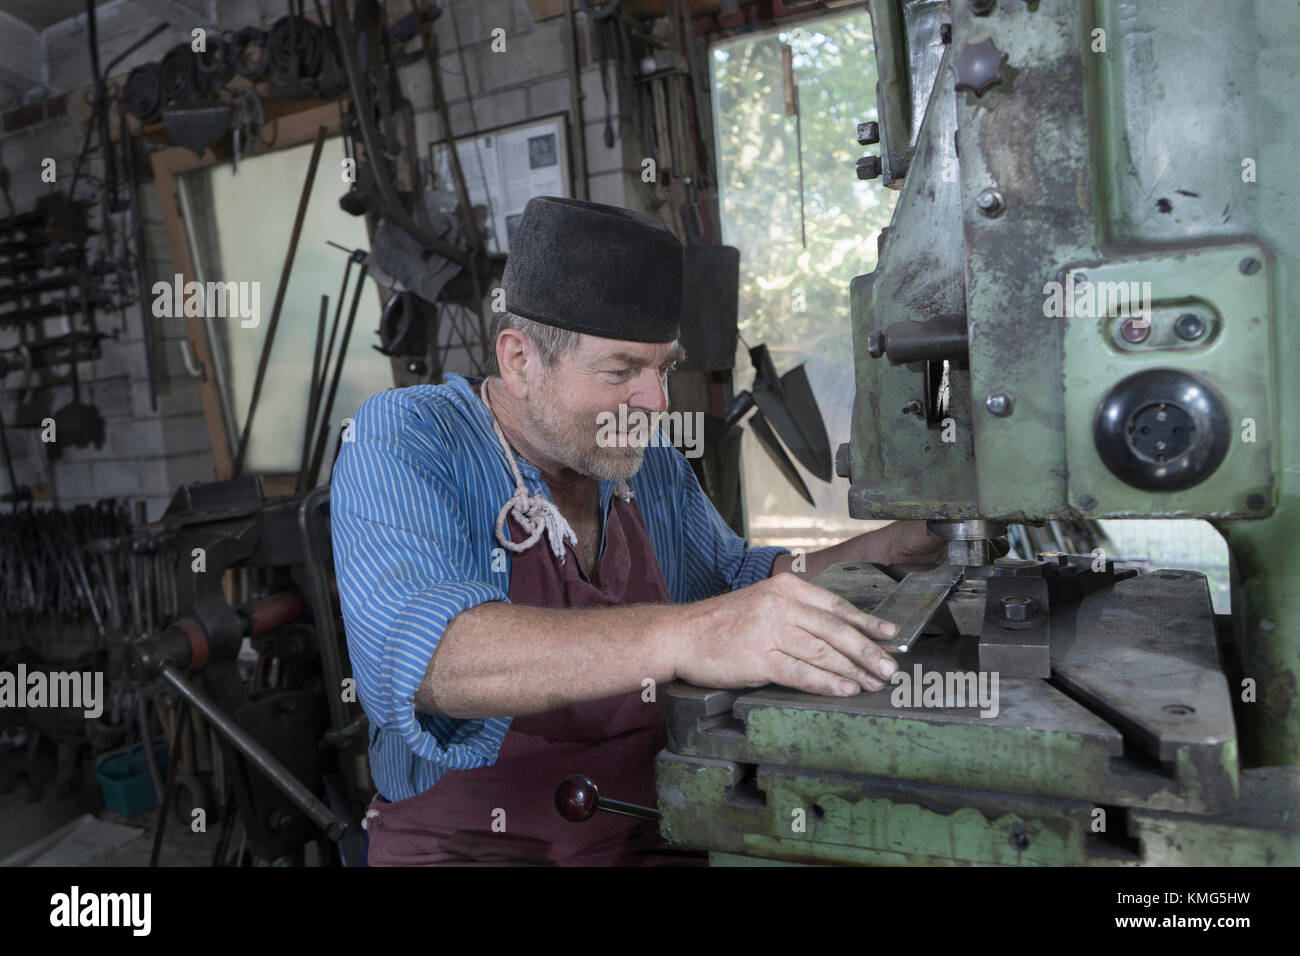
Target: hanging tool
[(605, 42), (390, 203), (77, 423), (246, 123), (131, 173)]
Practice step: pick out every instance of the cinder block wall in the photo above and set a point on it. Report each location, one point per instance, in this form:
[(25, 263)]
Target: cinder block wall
[(147, 454)]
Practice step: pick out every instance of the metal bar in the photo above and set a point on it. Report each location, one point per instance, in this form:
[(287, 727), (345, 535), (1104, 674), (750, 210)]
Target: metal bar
[(917, 602), (338, 369), (628, 809), (279, 296), (258, 756), (170, 790), (322, 610), (313, 395), (575, 102)]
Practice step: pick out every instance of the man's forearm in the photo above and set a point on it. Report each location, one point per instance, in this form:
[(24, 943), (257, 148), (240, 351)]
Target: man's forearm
[(509, 660), (873, 546)]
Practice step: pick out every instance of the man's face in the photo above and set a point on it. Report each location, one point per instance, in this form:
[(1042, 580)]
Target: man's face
[(597, 377)]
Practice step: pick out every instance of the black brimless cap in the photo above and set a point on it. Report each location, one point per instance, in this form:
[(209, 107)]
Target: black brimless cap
[(596, 269)]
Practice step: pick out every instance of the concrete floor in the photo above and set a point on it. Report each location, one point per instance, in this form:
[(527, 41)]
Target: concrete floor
[(24, 821)]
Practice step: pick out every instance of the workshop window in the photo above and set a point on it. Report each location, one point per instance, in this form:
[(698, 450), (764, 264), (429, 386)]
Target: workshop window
[(805, 226), (239, 228)]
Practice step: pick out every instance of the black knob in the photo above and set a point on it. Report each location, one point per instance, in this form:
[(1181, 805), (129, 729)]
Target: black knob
[(1161, 430), (978, 67)]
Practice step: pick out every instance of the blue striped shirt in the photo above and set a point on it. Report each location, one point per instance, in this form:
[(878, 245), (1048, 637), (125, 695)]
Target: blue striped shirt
[(413, 505)]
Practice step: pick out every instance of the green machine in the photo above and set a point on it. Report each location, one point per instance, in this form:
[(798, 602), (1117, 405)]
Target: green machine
[(1084, 307)]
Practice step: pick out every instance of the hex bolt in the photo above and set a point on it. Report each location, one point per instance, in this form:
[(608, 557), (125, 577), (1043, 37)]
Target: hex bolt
[(1249, 266), (1015, 608), (1133, 332), (1189, 327), (989, 201), (868, 133), (869, 167), (999, 403)]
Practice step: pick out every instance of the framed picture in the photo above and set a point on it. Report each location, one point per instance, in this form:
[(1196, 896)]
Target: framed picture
[(505, 167)]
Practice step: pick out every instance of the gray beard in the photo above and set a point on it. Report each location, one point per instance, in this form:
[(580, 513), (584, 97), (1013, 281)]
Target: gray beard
[(575, 446)]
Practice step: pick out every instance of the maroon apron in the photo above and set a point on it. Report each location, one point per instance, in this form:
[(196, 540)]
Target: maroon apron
[(612, 741)]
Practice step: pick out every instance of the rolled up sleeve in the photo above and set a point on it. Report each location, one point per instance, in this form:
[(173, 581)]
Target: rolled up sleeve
[(405, 565)]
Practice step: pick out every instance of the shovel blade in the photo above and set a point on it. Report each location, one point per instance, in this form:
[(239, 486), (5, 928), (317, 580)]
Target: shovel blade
[(772, 445), (790, 406)]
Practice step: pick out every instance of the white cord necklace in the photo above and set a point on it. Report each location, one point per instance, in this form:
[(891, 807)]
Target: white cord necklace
[(534, 513)]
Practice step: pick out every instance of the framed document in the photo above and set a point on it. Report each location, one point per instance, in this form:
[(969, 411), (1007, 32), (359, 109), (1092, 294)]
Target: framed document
[(505, 167)]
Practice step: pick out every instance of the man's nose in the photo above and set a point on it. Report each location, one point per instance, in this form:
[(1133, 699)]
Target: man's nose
[(651, 392)]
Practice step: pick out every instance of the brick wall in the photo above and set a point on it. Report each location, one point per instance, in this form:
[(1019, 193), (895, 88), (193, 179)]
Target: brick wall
[(148, 454)]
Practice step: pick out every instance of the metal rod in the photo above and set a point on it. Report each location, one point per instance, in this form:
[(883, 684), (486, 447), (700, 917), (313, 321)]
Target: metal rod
[(575, 101), (146, 738), (322, 608), (169, 791), (279, 296), (338, 367), (313, 395), (258, 756), (628, 809)]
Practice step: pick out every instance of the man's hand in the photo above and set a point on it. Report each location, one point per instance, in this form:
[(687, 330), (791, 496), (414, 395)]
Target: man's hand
[(782, 630), (913, 544)]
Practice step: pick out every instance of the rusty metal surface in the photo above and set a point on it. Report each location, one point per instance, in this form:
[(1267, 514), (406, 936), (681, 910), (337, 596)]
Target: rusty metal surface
[(1110, 725)]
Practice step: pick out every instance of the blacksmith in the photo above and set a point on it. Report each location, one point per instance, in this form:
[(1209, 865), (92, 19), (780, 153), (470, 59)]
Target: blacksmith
[(511, 585)]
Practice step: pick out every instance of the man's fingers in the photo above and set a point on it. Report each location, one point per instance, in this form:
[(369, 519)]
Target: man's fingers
[(802, 675), (874, 627), (847, 639), (843, 659)]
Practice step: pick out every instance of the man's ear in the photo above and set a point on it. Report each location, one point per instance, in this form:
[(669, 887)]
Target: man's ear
[(514, 358)]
